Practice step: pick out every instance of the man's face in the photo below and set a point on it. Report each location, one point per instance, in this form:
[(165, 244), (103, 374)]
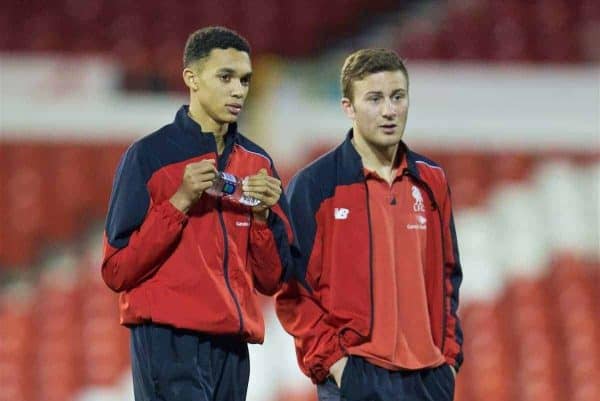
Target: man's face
[(380, 108), (221, 83)]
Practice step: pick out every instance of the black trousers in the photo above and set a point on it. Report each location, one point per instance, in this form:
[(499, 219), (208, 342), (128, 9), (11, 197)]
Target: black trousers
[(170, 364), (362, 381)]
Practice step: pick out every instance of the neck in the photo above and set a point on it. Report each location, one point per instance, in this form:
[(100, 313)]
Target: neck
[(379, 159), (373, 156), (208, 124)]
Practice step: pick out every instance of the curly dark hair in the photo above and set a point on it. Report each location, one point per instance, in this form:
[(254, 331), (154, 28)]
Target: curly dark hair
[(201, 42)]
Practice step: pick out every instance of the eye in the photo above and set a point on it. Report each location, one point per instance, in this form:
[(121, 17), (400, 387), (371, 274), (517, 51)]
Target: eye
[(245, 81), (225, 78), (399, 96), (373, 99)]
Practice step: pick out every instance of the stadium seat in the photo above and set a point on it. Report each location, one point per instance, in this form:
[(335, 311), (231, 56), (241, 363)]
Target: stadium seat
[(16, 350)]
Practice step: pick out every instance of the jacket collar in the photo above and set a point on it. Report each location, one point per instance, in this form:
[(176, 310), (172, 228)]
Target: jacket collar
[(352, 162), (191, 127)]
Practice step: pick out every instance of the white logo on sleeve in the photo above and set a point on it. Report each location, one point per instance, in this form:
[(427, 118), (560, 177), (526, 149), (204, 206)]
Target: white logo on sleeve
[(418, 206), (340, 213)]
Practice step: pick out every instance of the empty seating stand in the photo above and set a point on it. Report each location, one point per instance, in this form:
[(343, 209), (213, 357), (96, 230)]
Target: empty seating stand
[(552, 31), (143, 37)]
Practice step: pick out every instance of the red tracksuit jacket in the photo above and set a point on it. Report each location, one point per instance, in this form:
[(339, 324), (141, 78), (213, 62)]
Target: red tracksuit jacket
[(330, 306), (199, 271)]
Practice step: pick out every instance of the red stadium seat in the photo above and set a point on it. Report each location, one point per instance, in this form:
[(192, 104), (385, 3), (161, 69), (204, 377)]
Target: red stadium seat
[(490, 377), (17, 348), (24, 222), (419, 40), (469, 178), (465, 32), (105, 354), (511, 167), (73, 178)]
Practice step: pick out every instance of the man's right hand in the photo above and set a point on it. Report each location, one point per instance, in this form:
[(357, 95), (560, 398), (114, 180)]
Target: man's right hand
[(197, 178), (337, 370)]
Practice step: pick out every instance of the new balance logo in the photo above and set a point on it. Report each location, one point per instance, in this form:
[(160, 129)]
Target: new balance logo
[(340, 213)]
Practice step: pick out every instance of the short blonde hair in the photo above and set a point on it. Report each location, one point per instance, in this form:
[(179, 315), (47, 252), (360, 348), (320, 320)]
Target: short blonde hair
[(366, 62)]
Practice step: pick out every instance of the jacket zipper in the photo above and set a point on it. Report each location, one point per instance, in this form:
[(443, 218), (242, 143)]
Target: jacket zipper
[(436, 207), (444, 314), (370, 261), (226, 266), (226, 257)]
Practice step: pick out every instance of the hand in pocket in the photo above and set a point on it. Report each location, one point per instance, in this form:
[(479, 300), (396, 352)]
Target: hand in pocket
[(337, 370)]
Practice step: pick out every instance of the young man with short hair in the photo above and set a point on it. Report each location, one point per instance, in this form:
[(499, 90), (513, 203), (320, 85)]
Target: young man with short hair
[(373, 311), (188, 264)]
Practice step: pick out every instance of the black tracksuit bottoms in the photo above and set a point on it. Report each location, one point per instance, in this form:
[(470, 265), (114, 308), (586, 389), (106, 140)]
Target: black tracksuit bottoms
[(170, 364), (363, 381)]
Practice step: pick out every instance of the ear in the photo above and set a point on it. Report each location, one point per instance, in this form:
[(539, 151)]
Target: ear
[(348, 108), (189, 77)]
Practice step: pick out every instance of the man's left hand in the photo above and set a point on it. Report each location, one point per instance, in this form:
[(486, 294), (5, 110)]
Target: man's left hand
[(266, 189)]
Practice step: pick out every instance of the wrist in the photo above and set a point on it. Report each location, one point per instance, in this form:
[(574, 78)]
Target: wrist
[(261, 216), (180, 202)]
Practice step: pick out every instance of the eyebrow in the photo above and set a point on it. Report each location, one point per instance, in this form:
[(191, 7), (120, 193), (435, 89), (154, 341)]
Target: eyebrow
[(233, 72), (381, 93)]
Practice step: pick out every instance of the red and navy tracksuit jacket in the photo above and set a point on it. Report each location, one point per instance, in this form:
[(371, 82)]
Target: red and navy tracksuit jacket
[(330, 306), (198, 271)]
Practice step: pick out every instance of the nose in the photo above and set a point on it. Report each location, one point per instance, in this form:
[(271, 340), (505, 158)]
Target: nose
[(389, 110), (237, 90)]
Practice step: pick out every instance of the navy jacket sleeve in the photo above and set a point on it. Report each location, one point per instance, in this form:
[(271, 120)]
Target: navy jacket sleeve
[(139, 234), (453, 337), (298, 308)]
